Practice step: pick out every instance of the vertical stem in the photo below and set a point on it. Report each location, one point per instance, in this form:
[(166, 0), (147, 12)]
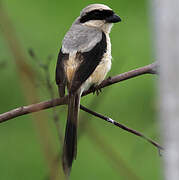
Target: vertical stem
[(167, 44)]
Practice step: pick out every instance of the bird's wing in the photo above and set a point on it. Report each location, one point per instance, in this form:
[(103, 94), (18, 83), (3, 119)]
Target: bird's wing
[(79, 39), (61, 79), (90, 61), (89, 45)]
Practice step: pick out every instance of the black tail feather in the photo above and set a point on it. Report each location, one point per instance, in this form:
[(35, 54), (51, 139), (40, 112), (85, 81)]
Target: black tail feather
[(70, 141)]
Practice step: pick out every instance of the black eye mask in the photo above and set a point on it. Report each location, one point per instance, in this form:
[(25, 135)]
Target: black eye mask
[(96, 15)]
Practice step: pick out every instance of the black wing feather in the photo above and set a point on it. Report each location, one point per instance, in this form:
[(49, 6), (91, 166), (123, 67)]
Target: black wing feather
[(90, 61), (61, 79)]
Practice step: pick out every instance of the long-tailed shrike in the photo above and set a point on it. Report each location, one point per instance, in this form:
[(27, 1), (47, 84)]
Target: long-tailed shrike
[(83, 61)]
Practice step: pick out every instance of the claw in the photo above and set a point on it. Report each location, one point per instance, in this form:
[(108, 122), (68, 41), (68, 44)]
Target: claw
[(96, 89), (109, 78)]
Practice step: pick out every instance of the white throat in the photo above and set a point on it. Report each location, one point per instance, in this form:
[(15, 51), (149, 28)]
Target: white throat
[(107, 28)]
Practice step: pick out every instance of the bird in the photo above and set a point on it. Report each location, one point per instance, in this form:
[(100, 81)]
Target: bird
[(83, 63)]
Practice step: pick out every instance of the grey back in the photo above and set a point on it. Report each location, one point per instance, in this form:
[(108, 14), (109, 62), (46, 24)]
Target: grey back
[(80, 38)]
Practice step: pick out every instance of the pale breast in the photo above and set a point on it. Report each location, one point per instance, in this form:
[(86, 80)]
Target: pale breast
[(101, 70)]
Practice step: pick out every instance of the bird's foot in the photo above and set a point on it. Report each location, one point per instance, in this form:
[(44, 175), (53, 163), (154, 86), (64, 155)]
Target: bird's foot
[(96, 89)]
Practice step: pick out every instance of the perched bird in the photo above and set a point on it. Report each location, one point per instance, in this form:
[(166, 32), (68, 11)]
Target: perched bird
[(83, 62)]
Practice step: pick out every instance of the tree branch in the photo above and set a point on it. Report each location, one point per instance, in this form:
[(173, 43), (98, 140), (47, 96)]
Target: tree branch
[(149, 69), (121, 126), (46, 68)]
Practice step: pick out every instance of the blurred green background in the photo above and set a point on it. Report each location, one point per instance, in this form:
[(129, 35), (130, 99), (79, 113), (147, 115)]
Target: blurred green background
[(30, 145)]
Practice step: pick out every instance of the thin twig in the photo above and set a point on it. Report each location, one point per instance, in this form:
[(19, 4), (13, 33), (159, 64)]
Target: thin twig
[(116, 161), (149, 69), (45, 67), (121, 126)]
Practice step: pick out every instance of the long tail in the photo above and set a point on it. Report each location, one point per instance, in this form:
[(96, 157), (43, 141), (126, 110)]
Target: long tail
[(70, 141)]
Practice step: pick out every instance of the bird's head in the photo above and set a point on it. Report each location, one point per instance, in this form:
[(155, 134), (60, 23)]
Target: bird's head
[(99, 16)]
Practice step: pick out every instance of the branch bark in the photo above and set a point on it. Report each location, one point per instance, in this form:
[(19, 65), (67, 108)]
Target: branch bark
[(122, 126), (148, 69)]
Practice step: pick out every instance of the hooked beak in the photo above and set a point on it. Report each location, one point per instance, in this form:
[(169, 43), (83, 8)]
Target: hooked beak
[(113, 19)]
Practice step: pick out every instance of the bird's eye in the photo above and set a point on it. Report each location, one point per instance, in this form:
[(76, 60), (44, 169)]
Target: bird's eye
[(109, 13), (96, 15)]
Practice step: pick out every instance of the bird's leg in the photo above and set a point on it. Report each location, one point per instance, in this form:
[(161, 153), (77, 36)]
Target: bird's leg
[(109, 78), (96, 89)]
